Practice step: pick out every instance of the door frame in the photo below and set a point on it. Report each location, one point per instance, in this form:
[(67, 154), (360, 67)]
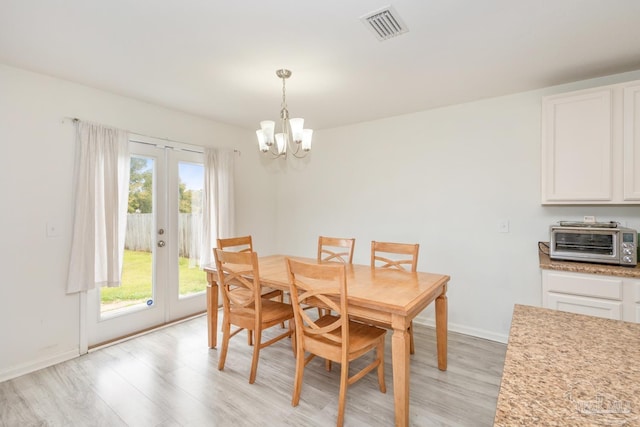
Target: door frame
[(171, 310)]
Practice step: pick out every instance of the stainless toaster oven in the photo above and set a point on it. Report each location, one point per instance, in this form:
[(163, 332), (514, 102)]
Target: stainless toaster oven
[(604, 243)]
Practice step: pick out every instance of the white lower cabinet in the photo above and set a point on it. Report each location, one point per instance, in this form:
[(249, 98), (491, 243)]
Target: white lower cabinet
[(636, 301), (610, 297), (582, 305)]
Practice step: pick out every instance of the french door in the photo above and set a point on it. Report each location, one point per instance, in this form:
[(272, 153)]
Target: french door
[(161, 277)]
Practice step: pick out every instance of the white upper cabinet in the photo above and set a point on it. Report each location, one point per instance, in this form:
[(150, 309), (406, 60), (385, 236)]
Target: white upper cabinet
[(591, 146), (632, 142)]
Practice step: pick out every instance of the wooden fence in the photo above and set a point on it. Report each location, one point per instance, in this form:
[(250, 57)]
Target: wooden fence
[(140, 231)]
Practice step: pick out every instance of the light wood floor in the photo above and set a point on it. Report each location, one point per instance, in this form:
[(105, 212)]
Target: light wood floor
[(170, 378)]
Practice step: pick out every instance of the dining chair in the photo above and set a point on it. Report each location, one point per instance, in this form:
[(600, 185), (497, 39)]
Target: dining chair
[(245, 244), (336, 249), (332, 336), (244, 306), (401, 256)]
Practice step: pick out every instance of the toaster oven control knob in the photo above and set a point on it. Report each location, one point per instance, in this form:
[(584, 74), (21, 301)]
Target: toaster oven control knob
[(626, 251), (627, 259)]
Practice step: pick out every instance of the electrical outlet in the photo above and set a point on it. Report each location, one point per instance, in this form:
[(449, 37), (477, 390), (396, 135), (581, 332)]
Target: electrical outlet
[(503, 226)]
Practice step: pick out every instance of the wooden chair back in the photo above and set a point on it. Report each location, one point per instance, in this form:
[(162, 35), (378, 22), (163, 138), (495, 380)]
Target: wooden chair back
[(236, 244), (336, 249), (239, 279), (403, 256), (320, 285)]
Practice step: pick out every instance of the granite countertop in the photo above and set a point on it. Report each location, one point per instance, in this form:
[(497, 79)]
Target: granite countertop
[(565, 369), (547, 263)]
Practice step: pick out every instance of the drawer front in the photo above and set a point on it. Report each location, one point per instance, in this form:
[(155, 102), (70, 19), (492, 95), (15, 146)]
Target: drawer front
[(587, 306), (583, 284)]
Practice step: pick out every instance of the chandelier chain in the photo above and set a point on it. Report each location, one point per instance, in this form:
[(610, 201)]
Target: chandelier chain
[(284, 96)]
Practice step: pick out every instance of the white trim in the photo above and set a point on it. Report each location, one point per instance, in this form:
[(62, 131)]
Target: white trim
[(465, 330), (84, 337), (36, 365), (148, 331)]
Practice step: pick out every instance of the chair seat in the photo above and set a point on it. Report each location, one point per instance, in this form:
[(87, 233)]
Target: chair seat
[(360, 334), (271, 311), (275, 310)]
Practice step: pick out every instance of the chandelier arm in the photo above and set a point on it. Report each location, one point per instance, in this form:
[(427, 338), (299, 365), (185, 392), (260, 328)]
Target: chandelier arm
[(274, 153), (295, 152)]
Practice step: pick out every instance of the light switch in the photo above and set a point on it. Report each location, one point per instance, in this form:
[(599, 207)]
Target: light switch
[(503, 226)]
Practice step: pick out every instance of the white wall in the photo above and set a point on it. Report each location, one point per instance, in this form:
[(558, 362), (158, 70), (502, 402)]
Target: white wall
[(39, 323), (444, 178)]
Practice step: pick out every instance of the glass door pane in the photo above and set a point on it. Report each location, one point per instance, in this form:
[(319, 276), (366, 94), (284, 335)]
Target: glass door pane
[(137, 287), (191, 279), (186, 292), (140, 302)]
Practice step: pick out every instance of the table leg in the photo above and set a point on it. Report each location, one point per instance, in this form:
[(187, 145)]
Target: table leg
[(441, 331), (212, 311), (400, 360)]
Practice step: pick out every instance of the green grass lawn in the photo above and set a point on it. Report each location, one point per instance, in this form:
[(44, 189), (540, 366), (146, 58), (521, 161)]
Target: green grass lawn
[(136, 280)]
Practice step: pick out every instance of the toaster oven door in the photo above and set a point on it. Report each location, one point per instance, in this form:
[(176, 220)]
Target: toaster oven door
[(584, 245)]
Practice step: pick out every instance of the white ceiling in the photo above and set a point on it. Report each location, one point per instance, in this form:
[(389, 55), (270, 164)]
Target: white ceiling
[(218, 58)]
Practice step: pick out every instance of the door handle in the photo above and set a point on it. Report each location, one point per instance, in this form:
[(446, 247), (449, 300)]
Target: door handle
[(161, 243)]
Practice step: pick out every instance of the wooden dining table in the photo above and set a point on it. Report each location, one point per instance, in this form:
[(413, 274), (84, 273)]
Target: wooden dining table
[(379, 294)]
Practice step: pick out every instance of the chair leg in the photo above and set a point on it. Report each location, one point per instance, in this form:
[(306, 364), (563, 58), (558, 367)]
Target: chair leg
[(249, 337), (281, 299), (226, 335), (412, 348), (344, 380), (297, 382), (380, 357), (292, 328), (256, 355)]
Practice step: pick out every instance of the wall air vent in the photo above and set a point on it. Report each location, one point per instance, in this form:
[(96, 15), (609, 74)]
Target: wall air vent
[(385, 23)]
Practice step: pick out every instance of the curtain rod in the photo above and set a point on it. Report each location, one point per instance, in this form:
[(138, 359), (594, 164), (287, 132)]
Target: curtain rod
[(76, 120)]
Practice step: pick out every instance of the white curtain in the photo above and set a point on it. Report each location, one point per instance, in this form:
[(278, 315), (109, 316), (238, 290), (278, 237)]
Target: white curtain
[(218, 208), (101, 198)]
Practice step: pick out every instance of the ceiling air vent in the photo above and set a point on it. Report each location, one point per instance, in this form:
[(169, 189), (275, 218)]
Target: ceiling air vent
[(384, 23)]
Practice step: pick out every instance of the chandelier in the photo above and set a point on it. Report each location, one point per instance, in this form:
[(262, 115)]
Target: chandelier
[(292, 137)]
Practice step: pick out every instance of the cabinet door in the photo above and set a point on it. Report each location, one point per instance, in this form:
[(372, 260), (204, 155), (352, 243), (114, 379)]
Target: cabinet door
[(632, 143), (636, 300), (584, 305), (577, 147)]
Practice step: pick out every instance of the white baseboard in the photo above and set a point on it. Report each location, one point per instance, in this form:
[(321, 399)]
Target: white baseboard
[(37, 365), (461, 329)]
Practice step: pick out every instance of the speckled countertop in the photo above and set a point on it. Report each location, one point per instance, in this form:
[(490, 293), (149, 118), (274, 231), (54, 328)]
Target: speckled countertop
[(547, 263), (565, 369)]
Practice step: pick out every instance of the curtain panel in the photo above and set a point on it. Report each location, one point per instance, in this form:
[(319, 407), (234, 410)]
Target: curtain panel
[(101, 181), (218, 200)]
